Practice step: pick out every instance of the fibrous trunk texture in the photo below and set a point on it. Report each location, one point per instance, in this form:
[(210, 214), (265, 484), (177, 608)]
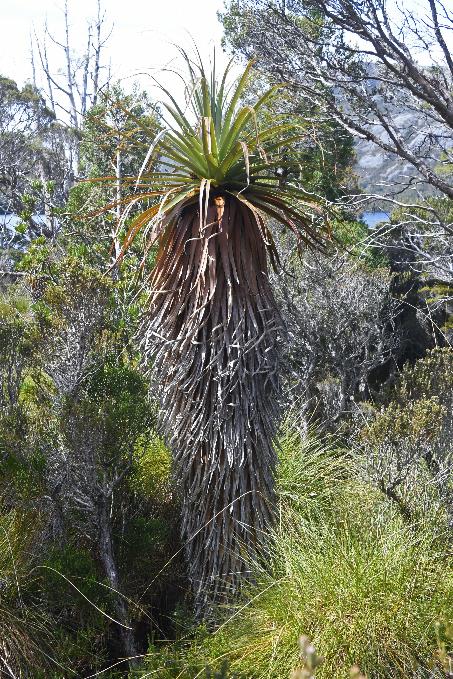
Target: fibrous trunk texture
[(211, 337)]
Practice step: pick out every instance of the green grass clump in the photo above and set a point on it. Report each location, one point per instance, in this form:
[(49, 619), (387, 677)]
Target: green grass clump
[(25, 637), (345, 570)]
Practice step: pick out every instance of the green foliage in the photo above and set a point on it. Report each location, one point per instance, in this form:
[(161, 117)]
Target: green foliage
[(34, 165), (24, 630), (35, 258), (429, 222), (28, 96), (418, 420), (70, 383), (308, 475), (109, 129), (321, 160), (117, 395), (71, 590), (344, 569), (428, 378), (217, 145), (112, 149), (150, 476), (70, 583), (16, 328), (407, 443), (20, 474), (353, 236), (442, 207)]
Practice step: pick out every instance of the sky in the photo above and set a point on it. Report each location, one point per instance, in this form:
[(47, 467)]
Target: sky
[(141, 41)]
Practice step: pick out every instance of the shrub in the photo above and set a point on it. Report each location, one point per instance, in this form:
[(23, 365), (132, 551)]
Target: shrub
[(340, 318), (151, 471), (344, 569), (407, 444)]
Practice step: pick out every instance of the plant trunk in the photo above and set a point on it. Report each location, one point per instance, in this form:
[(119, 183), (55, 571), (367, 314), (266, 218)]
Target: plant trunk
[(121, 611), (213, 343)]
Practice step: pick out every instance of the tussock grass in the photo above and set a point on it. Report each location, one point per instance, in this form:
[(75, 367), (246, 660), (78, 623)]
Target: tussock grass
[(345, 569), (24, 634)]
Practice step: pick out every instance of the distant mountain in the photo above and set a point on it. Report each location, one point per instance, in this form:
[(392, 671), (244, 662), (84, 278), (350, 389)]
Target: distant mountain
[(11, 237), (381, 172)]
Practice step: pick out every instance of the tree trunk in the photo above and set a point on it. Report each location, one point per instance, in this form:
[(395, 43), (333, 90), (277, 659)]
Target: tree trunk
[(213, 342), (106, 553)]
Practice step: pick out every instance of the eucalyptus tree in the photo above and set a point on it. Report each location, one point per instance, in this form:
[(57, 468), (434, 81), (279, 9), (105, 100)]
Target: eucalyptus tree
[(211, 330), (383, 73)]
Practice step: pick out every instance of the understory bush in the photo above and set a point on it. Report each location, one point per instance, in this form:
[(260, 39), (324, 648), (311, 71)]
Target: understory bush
[(407, 444), (345, 568)]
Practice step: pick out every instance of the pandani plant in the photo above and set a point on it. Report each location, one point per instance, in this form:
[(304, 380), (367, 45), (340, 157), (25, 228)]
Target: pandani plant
[(211, 330)]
